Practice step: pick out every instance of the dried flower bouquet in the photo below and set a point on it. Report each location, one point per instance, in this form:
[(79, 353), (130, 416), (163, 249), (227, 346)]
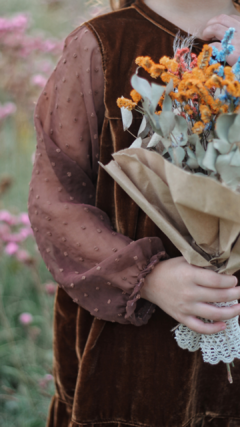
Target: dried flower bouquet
[(183, 169)]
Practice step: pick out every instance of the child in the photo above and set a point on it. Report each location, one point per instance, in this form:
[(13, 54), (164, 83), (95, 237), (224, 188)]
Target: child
[(116, 270)]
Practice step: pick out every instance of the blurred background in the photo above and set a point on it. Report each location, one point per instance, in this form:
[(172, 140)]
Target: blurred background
[(32, 33)]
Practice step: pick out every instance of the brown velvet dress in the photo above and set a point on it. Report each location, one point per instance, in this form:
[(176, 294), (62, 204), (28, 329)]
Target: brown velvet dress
[(99, 246)]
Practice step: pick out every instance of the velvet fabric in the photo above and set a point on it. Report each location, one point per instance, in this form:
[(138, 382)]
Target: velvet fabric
[(112, 374)]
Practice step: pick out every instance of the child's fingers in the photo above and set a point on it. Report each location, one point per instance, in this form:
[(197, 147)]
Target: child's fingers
[(216, 31), (204, 294), (217, 314), (226, 20), (210, 279), (199, 326)]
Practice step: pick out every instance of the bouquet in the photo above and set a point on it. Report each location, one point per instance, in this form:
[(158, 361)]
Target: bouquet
[(183, 169)]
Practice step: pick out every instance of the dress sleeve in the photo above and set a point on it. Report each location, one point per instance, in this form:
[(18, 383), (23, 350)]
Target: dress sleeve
[(103, 271)]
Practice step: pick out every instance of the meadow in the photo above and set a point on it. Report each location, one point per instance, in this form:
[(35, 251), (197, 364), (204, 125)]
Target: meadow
[(31, 37)]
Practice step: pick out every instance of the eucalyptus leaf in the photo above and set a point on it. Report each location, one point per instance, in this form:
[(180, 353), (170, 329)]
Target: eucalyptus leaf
[(192, 160), (144, 128), (222, 146), (192, 164), (210, 157), (192, 139), (142, 86), (157, 92), (154, 140), (234, 131), (177, 154), (180, 130), (167, 104), (200, 154), (223, 124), (167, 122), (236, 158), (229, 174), (169, 87), (137, 143), (166, 142), (127, 118)]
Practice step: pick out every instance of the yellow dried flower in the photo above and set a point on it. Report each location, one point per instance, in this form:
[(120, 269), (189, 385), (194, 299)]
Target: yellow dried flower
[(126, 103), (136, 97), (198, 128)]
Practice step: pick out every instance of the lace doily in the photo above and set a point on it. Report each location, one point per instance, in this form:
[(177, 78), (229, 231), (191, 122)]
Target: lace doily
[(223, 346)]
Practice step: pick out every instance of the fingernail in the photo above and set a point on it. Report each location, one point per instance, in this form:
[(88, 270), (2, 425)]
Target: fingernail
[(223, 327), (236, 281)]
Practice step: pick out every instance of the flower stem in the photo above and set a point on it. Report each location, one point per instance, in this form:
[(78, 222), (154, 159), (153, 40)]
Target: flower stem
[(229, 373)]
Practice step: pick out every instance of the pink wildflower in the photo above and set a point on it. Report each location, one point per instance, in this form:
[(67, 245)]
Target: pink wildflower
[(24, 218), (23, 256), (50, 288), (7, 110), (25, 318), (7, 217), (11, 248), (39, 80)]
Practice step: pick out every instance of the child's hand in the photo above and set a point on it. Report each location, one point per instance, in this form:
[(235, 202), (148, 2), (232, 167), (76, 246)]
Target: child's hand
[(183, 291), (216, 28)]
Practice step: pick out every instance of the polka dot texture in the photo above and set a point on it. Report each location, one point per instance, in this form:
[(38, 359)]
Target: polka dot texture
[(96, 266)]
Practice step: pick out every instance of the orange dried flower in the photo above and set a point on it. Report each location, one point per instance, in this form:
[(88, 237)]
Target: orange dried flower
[(156, 70), (229, 75), (232, 87), (210, 70), (214, 81), (188, 110), (180, 96), (136, 97), (204, 57), (166, 77), (205, 113), (166, 61), (198, 128), (198, 74), (145, 62), (162, 99), (126, 103), (224, 109)]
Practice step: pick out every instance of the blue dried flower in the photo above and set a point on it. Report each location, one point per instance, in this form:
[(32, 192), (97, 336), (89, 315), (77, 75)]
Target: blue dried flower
[(236, 69), (227, 47), (220, 71)]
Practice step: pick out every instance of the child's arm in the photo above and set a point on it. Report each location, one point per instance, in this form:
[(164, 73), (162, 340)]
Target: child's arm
[(97, 267)]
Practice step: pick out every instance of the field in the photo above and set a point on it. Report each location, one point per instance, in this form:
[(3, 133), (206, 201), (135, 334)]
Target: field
[(26, 287)]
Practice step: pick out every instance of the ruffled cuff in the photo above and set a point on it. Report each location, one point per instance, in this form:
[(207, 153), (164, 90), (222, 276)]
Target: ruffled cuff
[(139, 310)]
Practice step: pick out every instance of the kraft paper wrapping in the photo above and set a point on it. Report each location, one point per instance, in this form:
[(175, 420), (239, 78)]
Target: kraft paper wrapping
[(198, 214)]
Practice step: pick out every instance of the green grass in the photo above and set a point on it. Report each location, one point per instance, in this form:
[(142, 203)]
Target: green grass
[(26, 352)]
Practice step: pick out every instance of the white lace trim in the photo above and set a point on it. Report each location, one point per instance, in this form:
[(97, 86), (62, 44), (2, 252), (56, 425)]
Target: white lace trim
[(223, 346)]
